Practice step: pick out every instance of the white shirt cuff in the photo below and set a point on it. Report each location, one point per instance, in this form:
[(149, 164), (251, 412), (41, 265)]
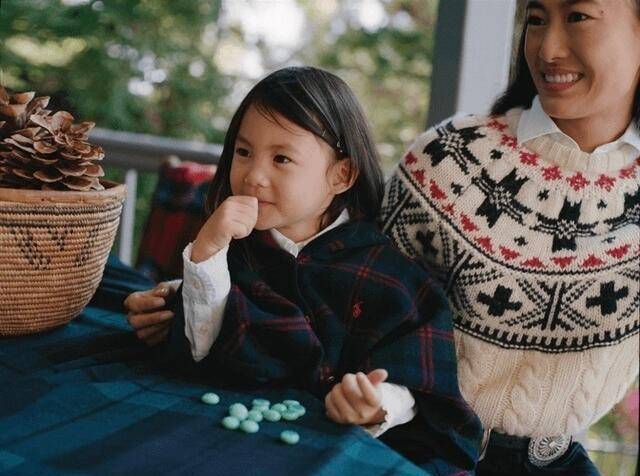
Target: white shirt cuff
[(399, 406), (205, 291)]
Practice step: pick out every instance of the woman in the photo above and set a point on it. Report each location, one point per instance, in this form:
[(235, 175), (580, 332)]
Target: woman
[(531, 219)]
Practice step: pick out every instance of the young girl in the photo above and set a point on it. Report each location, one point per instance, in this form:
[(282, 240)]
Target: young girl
[(289, 282)]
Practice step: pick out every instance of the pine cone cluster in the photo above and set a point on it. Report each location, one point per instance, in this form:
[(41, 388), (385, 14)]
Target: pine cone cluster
[(43, 150)]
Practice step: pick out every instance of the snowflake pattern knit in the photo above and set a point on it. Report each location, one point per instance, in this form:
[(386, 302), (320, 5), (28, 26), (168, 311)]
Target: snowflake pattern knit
[(538, 249)]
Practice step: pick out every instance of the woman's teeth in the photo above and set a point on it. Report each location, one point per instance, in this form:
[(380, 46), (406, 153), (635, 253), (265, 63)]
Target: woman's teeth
[(561, 78)]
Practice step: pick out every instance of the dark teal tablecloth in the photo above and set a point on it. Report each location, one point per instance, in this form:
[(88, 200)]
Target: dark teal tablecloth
[(88, 399)]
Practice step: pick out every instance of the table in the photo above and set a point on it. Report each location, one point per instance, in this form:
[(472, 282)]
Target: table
[(87, 398)]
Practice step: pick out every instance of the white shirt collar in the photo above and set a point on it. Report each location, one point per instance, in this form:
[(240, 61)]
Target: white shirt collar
[(294, 248), (534, 122)]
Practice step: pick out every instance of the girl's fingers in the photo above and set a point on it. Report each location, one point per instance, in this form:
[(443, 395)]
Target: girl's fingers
[(244, 210), (368, 391), (245, 200), (332, 412), (377, 376), (245, 224), (351, 390), (241, 230), (343, 407)]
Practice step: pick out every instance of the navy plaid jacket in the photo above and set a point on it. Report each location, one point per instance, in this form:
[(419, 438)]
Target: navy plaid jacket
[(349, 302)]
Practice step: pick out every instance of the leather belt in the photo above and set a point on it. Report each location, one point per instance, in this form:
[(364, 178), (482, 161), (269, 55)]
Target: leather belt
[(540, 451)]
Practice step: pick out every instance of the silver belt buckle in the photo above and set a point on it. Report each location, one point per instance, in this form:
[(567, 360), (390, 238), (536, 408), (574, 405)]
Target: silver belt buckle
[(547, 449)]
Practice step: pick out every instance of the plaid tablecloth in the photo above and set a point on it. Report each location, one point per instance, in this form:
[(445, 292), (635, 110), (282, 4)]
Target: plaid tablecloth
[(87, 399)]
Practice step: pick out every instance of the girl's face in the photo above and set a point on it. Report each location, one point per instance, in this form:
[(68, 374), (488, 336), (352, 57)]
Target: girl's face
[(584, 56), (293, 174)]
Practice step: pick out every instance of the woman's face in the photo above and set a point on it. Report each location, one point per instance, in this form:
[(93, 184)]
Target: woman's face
[(584, 56)]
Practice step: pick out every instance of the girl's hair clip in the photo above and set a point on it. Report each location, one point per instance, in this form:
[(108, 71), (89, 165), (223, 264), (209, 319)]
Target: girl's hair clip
[(337, 145)]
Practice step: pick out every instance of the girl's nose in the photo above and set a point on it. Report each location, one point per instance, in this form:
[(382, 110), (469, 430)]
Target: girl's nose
[(256, 176), (554, 44)]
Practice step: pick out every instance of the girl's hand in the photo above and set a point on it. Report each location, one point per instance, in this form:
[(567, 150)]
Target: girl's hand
[(235, 218), (148, 313), (357, 399)]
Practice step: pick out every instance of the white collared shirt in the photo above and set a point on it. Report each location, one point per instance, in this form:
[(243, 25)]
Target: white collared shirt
[(205, 291), (534, 123), (295, 248)]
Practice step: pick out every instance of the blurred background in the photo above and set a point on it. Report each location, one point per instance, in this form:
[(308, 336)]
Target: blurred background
[(178, 69)]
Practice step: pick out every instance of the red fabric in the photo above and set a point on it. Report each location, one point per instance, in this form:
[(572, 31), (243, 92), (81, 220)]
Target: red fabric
[(177, 214)]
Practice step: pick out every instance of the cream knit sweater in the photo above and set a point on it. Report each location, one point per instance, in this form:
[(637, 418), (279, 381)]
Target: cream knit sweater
[(538, 249)]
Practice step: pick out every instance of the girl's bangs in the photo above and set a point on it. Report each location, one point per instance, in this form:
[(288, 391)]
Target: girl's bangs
[(275, 107)]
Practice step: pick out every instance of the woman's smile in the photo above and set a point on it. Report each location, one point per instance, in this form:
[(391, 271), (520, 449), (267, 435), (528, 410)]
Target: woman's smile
[(557, 80)]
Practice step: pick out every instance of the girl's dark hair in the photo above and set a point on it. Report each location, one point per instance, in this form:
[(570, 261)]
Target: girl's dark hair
[(521, 90), (324, 105)]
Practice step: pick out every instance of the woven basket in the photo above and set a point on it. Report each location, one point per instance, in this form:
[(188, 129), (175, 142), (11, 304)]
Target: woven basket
[(53, 249)]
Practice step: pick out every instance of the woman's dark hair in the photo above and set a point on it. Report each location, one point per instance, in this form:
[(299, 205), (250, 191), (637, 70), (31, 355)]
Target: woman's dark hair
[(521, 90), (324, 105)]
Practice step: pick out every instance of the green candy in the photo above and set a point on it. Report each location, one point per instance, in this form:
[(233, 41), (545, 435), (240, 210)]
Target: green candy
[(260, 402), (290, 416), (279, 407), (239, 411), (289, 437), (290, 403), (230, 423), (299, 409), (255, 415), (271, 415), (210, 398), (249, 426)]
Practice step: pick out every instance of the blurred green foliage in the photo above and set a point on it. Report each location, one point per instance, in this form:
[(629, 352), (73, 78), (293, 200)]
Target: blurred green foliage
[(152, 66), (85, 55), (390, 69), (90, 56)]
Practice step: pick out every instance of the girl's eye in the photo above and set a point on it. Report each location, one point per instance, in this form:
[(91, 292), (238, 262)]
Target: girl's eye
[(281, 159), (576, 17), (534, 20), (241, 151)]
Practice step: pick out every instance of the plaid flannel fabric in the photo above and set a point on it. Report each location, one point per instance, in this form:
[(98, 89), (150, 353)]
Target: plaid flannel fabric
[(86, 399), (349, 302)]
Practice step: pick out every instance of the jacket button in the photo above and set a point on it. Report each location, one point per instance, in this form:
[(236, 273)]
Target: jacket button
[(331, 379)]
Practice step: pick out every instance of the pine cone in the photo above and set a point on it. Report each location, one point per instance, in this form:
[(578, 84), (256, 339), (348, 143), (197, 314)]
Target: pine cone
[(43, 150)]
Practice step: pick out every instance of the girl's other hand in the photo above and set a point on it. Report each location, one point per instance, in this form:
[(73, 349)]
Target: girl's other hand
[(148, 313), (357, 399), (235, 218)]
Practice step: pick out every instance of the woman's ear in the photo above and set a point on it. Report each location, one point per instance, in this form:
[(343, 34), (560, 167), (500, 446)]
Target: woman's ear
[(342, 175)]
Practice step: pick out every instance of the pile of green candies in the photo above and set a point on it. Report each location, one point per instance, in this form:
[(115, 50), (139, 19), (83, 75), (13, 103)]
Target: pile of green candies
[(240, 417)]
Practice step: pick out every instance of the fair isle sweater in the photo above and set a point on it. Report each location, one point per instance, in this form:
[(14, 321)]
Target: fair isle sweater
[(538, 249)]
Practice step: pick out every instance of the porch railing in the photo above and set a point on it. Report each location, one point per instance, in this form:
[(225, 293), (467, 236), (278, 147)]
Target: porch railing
[(134, 153)]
